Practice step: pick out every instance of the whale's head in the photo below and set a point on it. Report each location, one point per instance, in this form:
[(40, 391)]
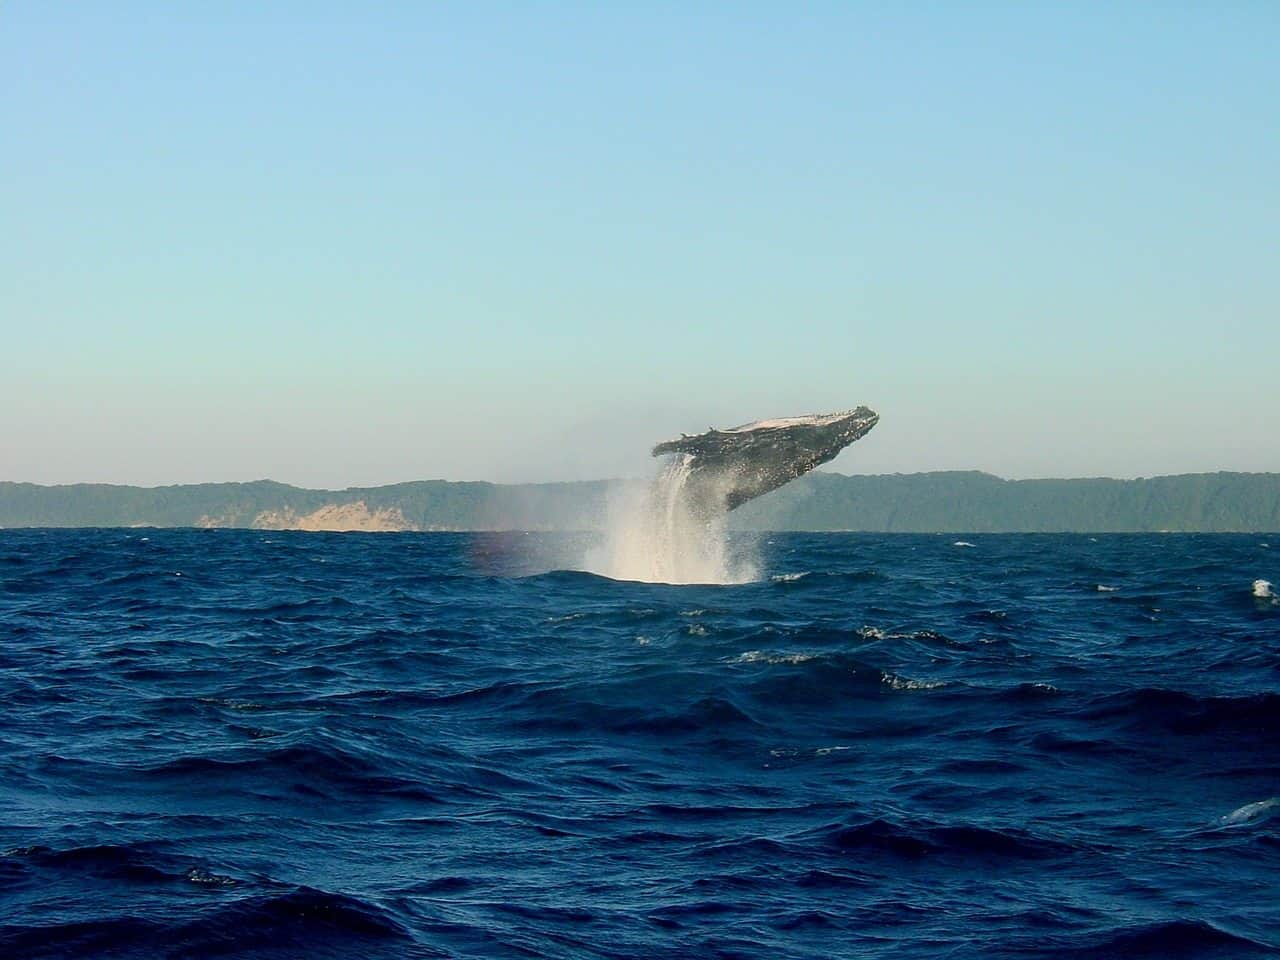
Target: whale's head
[(841, 429), (811, 440)]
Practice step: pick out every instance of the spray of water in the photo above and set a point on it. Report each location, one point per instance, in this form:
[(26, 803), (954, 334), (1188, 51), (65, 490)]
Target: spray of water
[(663, 533)]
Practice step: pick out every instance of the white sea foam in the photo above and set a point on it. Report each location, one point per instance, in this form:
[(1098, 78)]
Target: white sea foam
[(894, 682), (793, 753), (1103, 588), (657, 535), (567, 618), (765, 656), (962, 543), (206, 879), (1262, 589), (788, 577), (1250, 812)]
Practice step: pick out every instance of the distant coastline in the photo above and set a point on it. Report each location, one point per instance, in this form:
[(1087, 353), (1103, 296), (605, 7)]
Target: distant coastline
[(942, 502)]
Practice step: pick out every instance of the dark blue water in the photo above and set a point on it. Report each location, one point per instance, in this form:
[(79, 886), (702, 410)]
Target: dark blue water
[(234, 743)]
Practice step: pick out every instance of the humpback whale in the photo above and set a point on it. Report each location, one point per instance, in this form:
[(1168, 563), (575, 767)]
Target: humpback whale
[(726, 468)]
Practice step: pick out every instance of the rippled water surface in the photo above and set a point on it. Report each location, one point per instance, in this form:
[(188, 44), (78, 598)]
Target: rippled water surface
[(233, 743)]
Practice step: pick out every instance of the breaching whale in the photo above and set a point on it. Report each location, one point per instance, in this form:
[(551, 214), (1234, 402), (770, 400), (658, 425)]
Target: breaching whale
[(726, 468)]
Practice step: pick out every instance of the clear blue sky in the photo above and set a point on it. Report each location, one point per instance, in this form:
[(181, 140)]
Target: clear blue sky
[(344, 244)]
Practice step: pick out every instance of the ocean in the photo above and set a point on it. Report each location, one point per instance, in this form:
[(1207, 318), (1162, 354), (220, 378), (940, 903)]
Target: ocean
[(238, 743)]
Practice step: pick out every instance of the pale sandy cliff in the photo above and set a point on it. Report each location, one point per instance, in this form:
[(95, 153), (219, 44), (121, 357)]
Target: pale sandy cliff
[(341, 517)]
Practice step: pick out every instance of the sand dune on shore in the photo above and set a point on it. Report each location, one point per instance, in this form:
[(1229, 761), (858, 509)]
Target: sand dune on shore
[(335, 517)]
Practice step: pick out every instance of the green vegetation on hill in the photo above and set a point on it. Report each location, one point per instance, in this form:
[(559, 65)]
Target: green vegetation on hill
[(957, 502), (972, 502), (424, 505)]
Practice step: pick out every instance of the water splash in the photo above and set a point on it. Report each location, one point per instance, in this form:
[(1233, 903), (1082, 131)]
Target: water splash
[(664, 533), (1264, 592)]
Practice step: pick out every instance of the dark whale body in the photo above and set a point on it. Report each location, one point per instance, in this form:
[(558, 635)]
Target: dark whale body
[(729, 467)]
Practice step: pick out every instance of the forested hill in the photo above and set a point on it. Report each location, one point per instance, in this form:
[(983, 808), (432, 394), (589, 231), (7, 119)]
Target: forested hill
[(959, 502), (265, 504), (954, 502)]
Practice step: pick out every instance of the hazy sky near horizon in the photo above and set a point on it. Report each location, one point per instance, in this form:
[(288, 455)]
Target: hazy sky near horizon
[(338, 244)]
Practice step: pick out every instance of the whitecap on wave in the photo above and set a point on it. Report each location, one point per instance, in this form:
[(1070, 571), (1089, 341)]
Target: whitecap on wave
[(763, 656), (895, 682), (1250, 812)]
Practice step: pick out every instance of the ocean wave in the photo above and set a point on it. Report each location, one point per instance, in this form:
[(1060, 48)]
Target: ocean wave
[(292, 770), (1251, 813), (126, 863), (814, 679), (824, 579), (116, 937), (571, 710), (879, 837), (923, 637), (360, 747), (1029, 690), (1255, 715), (895, 682), (1172, 938), (300, 922)]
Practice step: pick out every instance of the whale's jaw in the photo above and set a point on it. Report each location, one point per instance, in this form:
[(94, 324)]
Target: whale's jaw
[(729, 467)]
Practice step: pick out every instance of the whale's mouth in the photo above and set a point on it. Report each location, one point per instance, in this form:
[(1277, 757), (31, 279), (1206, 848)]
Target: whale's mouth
[(860, 422)]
